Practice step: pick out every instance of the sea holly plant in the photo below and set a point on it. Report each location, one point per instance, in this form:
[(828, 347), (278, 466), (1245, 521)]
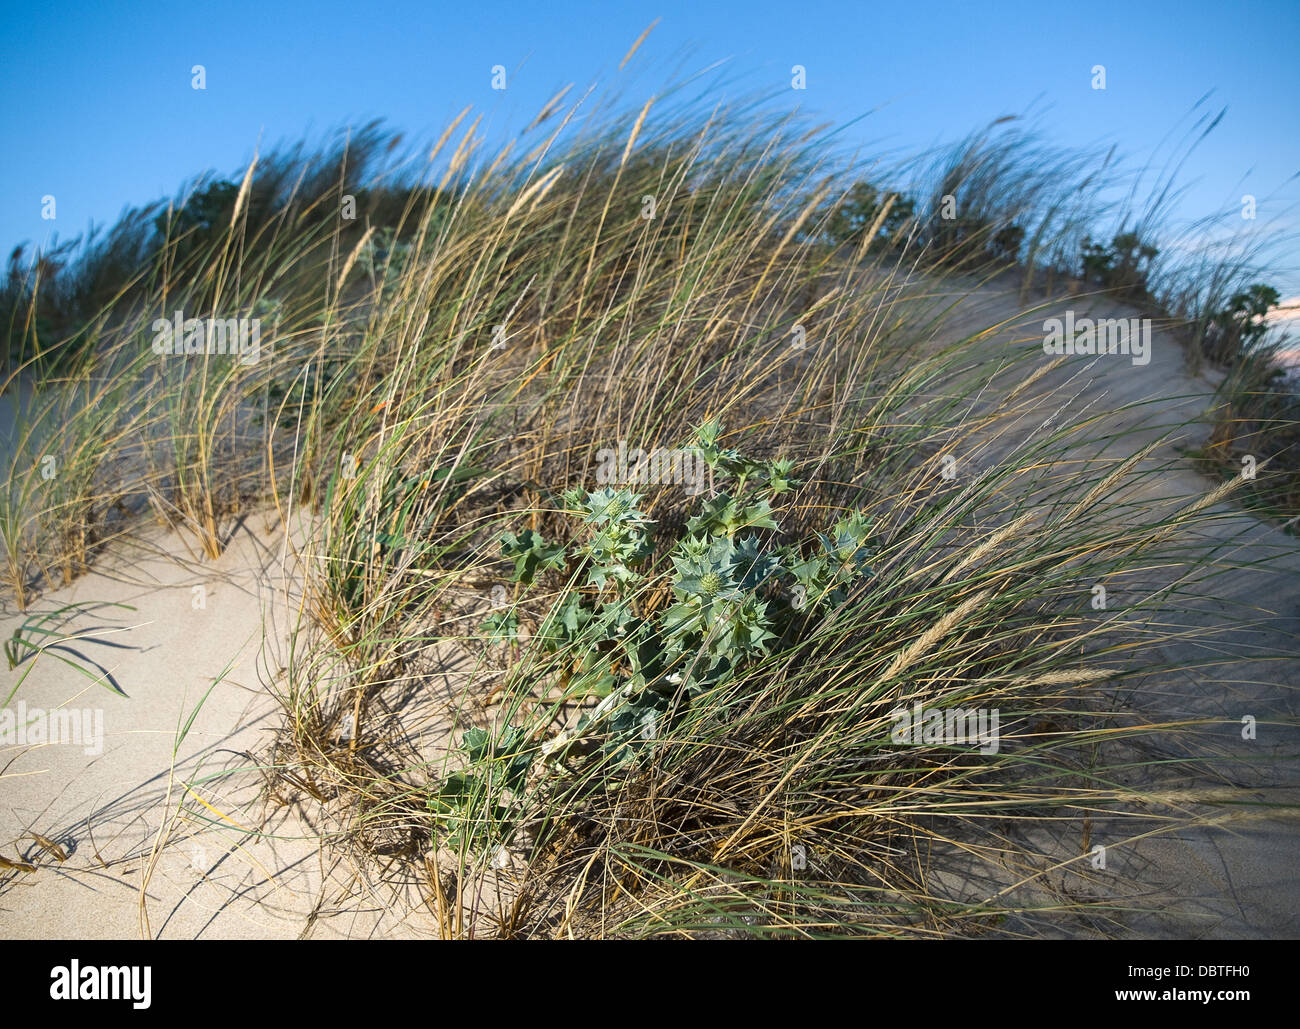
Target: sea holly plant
[(772, 476), (531, 554), (724, 515), (650, 626), (747, 506), (620, 536), (477, 807), (502, 627), (385, 257), (827, 576), (718, 618)]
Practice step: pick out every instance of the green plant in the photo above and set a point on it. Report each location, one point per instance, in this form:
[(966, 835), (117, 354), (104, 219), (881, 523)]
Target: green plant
[(476, 808), (1239, 326), (734, 597), (1122, 266), (384, 257), (205, 212), (530, 554), (864, 207)]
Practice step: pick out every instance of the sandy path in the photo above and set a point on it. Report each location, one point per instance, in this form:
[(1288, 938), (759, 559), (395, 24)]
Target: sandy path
[(1238, 877)]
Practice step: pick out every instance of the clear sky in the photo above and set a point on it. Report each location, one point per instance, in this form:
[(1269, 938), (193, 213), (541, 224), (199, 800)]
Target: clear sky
[(98, 108)]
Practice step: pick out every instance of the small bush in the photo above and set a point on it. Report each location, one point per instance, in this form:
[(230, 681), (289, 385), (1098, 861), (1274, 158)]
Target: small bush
[(1122, 266), (1240, 326), (861, 208)]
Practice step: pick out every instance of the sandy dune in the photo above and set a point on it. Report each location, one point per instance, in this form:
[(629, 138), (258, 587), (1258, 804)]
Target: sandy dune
[(123, 817)]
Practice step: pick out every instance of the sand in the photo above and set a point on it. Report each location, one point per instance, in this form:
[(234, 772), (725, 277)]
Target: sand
[(211, 876)]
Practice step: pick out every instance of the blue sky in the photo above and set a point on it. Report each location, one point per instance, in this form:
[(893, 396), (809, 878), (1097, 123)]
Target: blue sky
[(99, 111)]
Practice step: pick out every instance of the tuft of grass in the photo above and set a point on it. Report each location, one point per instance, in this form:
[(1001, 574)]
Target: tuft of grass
[(41, 635)]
